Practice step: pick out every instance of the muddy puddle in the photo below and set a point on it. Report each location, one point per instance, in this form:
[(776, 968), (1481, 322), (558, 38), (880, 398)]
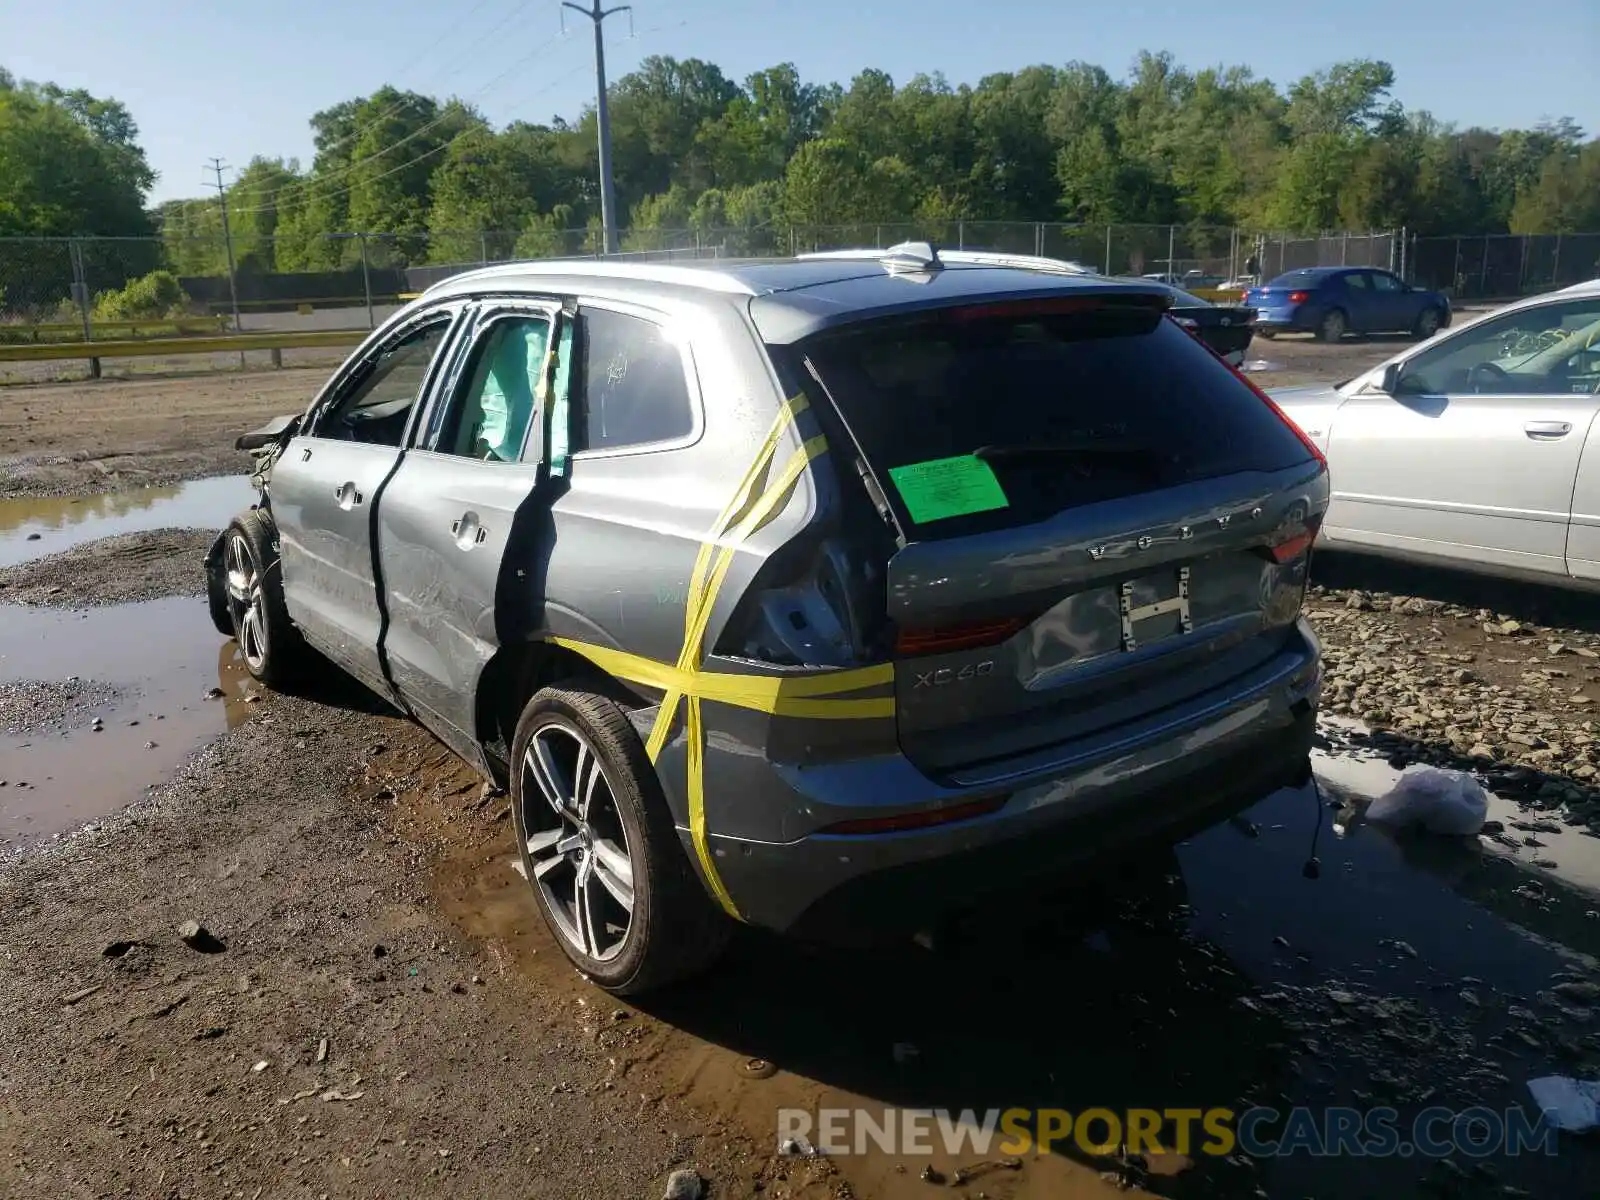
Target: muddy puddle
[(162, 657), (1401, 972), (31, 527)]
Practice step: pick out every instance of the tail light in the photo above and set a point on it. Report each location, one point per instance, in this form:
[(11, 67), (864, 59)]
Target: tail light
[(1314, 449), (1299, 297), (1297, 542), (947, 639), (922, 819)]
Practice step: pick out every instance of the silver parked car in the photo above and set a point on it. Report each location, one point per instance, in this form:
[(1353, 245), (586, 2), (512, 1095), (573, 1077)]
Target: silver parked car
[(818, 594), (1477, 449)]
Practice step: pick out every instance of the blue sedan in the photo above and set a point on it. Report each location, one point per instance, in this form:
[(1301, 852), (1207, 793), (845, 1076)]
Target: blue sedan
[(1333, 301)]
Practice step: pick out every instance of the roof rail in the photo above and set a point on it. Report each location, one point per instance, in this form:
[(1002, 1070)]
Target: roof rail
[(923, 252), (1022, 262), (917, 256)]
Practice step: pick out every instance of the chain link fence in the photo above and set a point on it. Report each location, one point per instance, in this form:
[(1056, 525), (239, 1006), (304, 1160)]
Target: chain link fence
[(74, 289), (1494, 266)]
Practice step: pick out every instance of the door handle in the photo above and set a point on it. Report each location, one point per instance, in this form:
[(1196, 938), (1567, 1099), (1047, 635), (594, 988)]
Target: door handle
[(305, 455), (467, 532), (1547, 430), (346, 495)]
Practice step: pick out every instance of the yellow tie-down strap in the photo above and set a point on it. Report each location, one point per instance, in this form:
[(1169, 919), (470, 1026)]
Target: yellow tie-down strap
[(822, 696)]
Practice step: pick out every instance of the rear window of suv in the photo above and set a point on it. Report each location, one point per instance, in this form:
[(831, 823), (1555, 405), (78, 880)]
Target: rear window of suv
[(1066, 408)]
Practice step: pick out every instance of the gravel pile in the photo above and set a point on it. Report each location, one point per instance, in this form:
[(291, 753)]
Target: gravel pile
[(113, 570), (1468, 688), (44, 706)]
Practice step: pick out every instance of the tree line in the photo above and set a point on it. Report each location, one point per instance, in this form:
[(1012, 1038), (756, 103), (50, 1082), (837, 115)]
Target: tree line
[(693, 149)]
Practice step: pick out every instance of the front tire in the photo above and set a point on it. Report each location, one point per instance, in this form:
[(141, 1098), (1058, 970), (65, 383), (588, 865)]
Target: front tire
[(599, 848), (269, 643), (1428, 322), (1332, 326)]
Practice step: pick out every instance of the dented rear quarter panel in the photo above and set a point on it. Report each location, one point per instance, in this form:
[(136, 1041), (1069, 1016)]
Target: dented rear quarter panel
[(627, 526)]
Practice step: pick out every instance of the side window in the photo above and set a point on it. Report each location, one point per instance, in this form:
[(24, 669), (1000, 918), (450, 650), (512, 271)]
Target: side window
[(1355, 281), (1537, 351), (490, 414), (634, 390), (1386, 283), (378, 399)]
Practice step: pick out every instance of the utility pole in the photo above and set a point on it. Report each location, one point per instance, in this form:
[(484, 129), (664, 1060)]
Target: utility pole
[(608, 197), (217, 167)]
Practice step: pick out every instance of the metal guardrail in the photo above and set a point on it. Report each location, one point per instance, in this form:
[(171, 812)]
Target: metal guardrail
[(72, 331), (155, 347)]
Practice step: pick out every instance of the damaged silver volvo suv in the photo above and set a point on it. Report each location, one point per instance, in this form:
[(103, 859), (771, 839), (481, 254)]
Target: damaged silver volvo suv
[(814, 594)]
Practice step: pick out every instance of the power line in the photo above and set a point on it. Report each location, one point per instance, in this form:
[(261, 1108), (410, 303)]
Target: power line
[(341, 172), (295, 196), (445, 145), (399, 72)]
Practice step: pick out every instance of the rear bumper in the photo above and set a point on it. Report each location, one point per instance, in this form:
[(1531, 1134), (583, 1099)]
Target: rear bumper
[(1057, 826), (1299, 320)]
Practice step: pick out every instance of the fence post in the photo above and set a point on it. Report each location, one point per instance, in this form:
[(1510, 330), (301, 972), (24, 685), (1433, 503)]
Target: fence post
[(80, 286), (1483, 271), (961, 235), (1344, 249), (1038, 238), (483, 248), (366, 280), (1172, 247), (1555, 263), (1108, 248)]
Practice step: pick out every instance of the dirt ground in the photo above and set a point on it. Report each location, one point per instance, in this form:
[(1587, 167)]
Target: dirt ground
[(71, 439), (384, 1014)]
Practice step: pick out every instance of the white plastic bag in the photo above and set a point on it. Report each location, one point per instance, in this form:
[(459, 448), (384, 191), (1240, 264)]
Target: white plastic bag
[(1567, 1103), (1447, 802)]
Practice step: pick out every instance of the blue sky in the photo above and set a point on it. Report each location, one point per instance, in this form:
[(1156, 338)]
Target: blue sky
[(242, 79)]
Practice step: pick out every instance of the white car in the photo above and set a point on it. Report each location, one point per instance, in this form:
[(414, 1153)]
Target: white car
[(1477, 449)]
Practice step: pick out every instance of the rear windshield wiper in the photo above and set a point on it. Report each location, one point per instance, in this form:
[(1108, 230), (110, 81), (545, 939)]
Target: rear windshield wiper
[(1132, 454)]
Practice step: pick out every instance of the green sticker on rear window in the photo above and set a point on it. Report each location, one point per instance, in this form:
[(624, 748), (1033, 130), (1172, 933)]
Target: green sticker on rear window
[(948, 487)]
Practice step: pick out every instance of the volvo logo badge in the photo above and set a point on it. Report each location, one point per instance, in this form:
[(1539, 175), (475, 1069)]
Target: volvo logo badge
[(1222, 522), (1144, 543), (1185, 533), (1097, 552)]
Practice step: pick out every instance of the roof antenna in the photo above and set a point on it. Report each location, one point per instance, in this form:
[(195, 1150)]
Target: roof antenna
[(924, 256)]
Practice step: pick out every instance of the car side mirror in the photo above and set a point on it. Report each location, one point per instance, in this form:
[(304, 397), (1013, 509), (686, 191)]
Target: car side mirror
[(1389, 382)]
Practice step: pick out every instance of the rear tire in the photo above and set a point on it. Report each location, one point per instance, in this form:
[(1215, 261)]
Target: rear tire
[(599, 848), (270, 645), (1269, 334), (1332, 326), (1429, 322)]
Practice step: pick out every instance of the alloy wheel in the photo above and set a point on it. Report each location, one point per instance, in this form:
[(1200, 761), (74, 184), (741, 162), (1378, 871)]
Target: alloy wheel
[(578, 848), (246, 603)]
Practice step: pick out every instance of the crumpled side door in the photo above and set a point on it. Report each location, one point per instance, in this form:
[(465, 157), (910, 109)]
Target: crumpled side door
[(460, 524)]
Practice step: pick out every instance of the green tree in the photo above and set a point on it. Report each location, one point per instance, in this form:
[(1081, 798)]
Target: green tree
[(1566, 198), (69, 164)]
